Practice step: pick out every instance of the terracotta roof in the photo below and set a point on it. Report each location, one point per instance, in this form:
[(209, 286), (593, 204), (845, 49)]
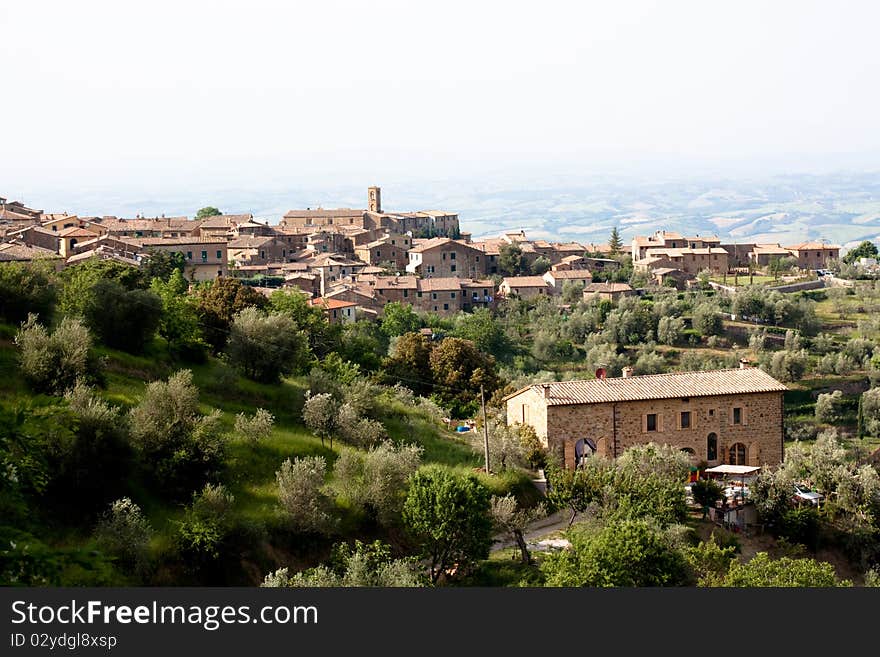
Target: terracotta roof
[(331, 304), (76, 231), (812, 246), (225, 220), (607, 287), (436, 242), (659, 386), (570, 273), (21, 252), (160, 241), (439, 284), (322, 213), (524, 281), (769, 249), (395, 282), (248, 242)]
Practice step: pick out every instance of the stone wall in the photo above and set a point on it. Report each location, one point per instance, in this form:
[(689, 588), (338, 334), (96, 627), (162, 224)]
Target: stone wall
[(615, 427)]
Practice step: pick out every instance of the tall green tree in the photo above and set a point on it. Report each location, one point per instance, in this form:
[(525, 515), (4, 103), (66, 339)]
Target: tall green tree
[(511, 261), (866, 249), (614, 242), (448, 515)]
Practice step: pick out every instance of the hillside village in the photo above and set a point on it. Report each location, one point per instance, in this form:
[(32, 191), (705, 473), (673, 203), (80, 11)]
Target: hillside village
[(202, 368), (353, 262)]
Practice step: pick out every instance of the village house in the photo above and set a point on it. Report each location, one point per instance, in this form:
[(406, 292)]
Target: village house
[(690, 261), (524, 287), (336, 311), (16, 211), (730, 416), (610, 291), (258, 250), (21, 252), (763, 254), (205, 257), (442, 257), (173, 227), (814, 255), (390, 248), (558, 279)]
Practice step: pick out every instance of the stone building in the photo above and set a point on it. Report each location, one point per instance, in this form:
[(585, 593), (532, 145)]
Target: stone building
[(814, 255), (205, 257), (441, 257), (720, 416)]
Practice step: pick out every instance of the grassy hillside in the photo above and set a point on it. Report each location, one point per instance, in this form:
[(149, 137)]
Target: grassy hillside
[(261, 541)]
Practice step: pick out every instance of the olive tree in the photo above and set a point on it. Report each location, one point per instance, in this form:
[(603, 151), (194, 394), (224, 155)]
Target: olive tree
[(300, 483)]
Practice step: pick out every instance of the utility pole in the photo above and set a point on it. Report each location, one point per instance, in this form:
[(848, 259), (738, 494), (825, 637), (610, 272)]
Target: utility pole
[(485, 427)]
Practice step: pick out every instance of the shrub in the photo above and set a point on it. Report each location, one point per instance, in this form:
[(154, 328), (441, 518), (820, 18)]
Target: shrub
[(361, 565), (830, 407), (181, 447), (255, 428), (25, 288), (264, 348), (205, 526), (121, 318), (124, 532), (622, 553), (52, 362), (300, 495), (376, 481)]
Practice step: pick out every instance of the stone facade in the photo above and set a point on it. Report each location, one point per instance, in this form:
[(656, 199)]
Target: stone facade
[(712, 431)]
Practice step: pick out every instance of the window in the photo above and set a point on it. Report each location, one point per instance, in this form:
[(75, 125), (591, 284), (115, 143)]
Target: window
[(378, 253), (445, 306), (204, 256), (737, 454), (219, 255), (406, 293), (711, 412), (189, 255), (433, 295), (712, 447), (452, 268), (263, 254), (419, 295), (737, 415), (444, 255), (685, 422), (651, 422), (452, 256), (452, 295)]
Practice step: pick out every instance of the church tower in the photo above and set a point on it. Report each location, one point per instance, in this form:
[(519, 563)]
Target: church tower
[(375, 199)]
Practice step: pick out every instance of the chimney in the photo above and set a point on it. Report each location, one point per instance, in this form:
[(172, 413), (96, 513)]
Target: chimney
[(545, 387), (627, 372), (743, 363)]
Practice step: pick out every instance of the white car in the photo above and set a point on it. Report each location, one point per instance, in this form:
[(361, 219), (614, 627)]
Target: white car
[(804, 495)]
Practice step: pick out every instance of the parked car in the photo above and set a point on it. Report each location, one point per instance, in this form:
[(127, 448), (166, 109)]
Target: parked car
[(803, 495)]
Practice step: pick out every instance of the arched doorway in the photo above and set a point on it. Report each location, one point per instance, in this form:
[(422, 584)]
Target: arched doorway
[(712, 447), (737, 455), (583, 449)]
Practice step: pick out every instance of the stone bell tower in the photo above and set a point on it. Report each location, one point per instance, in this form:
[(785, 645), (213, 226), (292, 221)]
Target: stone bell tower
[(374, 194)]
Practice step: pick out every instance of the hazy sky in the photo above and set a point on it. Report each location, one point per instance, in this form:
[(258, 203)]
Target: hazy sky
[(178, 93)]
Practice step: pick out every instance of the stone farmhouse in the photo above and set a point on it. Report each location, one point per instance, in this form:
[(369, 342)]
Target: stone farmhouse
[(723, 416)]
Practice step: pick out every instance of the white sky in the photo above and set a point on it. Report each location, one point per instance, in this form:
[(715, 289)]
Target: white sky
[(237, 91)]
